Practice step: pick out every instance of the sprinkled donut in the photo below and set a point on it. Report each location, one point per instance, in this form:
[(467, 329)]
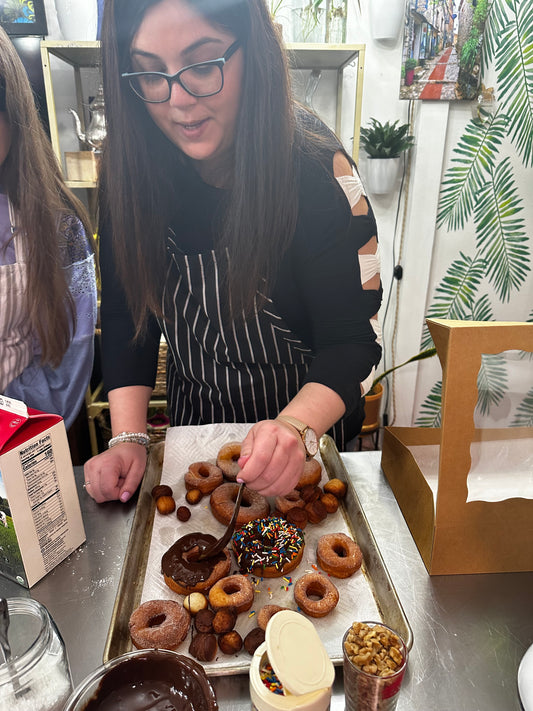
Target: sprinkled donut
[(338, 555), (253, 505), (315, 595), (233, 591), (268, 547), (203, 476), (160, 624), (228, 460)]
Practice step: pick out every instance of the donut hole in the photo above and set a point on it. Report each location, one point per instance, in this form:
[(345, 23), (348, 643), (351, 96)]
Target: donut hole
[(156, 620), (340, 551), (315, 592)]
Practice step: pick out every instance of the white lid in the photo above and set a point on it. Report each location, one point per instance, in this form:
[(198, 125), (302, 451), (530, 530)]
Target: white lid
[(297, 654)]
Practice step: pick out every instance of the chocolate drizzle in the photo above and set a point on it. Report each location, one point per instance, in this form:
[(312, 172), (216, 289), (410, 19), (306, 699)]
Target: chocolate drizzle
[(154, 682), (180, 564)]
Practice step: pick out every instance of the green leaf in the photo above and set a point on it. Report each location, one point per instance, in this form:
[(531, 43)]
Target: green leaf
[(430, 410), (500, 233), (491, 382), (475, 157), (514, 67), (524, 412), (482, 309)]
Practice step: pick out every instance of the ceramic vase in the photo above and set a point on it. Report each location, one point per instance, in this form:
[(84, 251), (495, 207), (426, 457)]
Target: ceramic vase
[(381, 174), (387, 18), (78, 19)]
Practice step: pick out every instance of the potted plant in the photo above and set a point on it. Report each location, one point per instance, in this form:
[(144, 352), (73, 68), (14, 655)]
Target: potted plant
[(410, 64), (374, 395), (383, 144)]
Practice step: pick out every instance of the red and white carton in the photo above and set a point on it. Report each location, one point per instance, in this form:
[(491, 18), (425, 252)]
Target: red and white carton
[(40, 516)]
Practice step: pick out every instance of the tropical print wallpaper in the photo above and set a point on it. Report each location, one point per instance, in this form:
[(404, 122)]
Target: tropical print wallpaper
[(488, 184)]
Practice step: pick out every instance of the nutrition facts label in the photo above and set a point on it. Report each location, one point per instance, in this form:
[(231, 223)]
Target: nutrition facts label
[(46, 502)]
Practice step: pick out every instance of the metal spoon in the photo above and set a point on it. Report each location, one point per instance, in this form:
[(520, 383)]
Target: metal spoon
[(219, 545)]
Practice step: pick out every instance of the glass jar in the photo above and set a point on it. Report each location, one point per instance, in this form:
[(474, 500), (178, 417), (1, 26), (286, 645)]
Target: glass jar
[(37, 676)]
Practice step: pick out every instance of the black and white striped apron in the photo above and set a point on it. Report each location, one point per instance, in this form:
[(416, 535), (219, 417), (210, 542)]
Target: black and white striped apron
[(217, 373)]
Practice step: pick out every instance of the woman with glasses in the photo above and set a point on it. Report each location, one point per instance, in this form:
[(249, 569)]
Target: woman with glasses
[(233, 222), (47, 270)]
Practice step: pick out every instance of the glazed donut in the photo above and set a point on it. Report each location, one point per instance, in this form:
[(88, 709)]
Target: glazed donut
[(203, 476), (228, 460), (311, 474), (184, 574), (268, 547), (160, 624), (289, 501), (233, 591), (338, 555), (266, 612), (253, 505), (312, 586)]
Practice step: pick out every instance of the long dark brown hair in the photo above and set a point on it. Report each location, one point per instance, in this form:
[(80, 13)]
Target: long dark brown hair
[(138, 159), (32, 180)]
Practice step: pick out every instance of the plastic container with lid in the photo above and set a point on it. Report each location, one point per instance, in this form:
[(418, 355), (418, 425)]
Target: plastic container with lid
[(301, 669), (37, 676)]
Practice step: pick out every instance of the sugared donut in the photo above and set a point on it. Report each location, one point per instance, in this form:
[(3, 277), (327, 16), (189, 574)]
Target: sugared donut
[(268, 547), (311, 474), (160, 624), (338, 555), (315, 595), (265, 613), (253, 505), (289, 501), (233, 591), (185, 574), (203, 476), (228, 460)]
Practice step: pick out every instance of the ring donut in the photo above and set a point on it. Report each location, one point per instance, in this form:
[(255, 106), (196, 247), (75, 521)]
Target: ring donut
[(253, 505), (268, 547), (184, 574), (233, 591), (228, 460), (289, 501), (315, 595), (159, 624), (338, 555), (266, 612), (203, 476), (311, 475)]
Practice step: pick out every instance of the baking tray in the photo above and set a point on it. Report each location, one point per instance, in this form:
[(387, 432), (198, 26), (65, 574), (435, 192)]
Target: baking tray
[(370, 594)]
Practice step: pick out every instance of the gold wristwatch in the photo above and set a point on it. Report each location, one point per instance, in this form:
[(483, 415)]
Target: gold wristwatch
[(308, 435)]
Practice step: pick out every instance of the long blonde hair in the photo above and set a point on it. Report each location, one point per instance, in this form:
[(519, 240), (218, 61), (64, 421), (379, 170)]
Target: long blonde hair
[(32, 180)]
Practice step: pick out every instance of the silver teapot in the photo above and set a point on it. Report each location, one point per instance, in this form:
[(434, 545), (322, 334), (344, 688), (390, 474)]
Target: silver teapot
[(95, 134)]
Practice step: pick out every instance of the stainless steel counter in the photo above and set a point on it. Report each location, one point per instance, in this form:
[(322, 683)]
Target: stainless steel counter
[(470, 631)]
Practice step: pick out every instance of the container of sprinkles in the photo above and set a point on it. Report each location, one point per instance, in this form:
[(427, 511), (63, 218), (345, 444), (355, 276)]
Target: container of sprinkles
[(291, 669)]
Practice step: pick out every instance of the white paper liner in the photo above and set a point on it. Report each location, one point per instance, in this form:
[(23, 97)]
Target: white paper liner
[(185, 445), (500, 469)]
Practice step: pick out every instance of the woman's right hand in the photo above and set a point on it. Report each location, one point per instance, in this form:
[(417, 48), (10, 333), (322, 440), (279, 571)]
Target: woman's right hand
[(116, 473)]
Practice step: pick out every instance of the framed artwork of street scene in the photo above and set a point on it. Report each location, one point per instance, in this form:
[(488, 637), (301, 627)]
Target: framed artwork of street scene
[(442, 49), (23, 17)]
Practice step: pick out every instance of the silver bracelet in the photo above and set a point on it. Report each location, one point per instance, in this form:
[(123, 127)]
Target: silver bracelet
[(135, 437)]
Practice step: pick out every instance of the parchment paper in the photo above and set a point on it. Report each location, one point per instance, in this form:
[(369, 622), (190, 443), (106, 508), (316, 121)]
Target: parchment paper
[(185, 445)]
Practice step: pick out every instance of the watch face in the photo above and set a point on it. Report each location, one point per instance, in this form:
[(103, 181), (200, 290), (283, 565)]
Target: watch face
[(311, 442)]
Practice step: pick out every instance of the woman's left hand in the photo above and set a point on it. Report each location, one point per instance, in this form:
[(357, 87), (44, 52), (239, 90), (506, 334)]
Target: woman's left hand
[(272, 458)]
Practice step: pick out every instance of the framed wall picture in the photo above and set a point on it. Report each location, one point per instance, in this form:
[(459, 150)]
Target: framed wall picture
[(23, 17)]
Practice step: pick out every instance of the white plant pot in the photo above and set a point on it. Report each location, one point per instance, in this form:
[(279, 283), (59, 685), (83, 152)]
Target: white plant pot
[(387, 17), (78, 19), (381, 175)]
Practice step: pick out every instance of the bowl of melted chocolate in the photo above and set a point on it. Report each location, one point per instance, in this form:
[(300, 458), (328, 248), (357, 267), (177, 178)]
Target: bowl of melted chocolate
[(154, 679)]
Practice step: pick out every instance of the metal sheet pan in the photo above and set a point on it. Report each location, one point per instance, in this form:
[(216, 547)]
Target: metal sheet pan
[(369, 594)]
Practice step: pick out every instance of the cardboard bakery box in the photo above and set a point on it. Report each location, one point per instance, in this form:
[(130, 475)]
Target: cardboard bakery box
[(40, 516), (466, 491)]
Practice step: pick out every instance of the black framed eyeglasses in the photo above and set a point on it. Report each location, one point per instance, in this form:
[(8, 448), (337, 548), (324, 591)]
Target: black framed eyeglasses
[(201, 79)]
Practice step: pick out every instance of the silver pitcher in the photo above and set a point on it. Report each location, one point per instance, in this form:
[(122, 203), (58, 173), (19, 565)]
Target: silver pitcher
[(95, 134)]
